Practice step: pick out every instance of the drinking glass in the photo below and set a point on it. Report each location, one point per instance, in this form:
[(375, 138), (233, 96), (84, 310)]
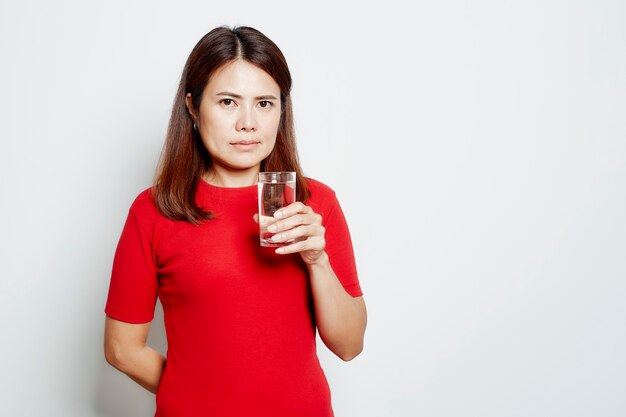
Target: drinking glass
[(276, 190)]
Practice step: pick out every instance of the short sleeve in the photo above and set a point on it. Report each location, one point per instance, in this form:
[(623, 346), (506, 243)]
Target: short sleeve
[(133, 287), (339, 248)]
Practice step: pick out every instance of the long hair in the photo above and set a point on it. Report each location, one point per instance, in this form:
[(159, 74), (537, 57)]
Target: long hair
[(184, 158)]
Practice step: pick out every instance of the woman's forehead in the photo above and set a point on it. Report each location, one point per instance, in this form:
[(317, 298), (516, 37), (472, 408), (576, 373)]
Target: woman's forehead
[(242, 78)]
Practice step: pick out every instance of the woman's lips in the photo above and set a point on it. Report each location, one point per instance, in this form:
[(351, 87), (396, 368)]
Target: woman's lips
[(245, 145)]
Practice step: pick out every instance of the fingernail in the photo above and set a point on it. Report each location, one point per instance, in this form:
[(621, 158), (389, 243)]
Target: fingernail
[(263, 220), (278, 214), (272, 228), (280, 250)]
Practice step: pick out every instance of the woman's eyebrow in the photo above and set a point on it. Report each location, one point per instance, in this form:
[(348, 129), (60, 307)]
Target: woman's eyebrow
[(229, 94)]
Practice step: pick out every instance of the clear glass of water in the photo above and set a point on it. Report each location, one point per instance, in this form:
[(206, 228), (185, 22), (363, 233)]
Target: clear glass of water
[(276, 190)]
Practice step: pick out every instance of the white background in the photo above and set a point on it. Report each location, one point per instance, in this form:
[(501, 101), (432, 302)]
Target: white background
[(478, 150)]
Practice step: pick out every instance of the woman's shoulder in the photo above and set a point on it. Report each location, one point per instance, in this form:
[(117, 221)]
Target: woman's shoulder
[(144, 208), (144, 200), (321, 194), (318, 186)]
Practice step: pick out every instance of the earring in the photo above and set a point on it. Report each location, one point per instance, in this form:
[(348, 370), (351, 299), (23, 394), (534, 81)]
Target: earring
[(194, 127)]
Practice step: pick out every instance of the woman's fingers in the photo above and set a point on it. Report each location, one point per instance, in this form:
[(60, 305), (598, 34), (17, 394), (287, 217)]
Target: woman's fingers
[(294, 221), (299, 225), (299, 232), (313, 244), (291, 209)]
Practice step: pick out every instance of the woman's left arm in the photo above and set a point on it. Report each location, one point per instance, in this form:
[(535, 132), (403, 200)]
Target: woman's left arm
[(341, 319)]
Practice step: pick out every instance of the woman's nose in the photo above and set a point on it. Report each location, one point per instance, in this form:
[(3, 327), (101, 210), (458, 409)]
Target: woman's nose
[(246, 121)]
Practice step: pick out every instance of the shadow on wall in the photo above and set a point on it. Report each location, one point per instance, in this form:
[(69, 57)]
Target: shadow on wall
[(116, 395)]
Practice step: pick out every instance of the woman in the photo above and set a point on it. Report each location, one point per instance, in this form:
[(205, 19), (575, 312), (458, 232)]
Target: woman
[(240, 318)]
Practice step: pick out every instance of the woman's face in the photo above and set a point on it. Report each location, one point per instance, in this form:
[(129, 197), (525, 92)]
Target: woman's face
[(238, 118)]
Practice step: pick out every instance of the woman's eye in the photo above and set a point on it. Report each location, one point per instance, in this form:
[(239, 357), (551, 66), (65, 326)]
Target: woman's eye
[(265, 103), (227, 102)]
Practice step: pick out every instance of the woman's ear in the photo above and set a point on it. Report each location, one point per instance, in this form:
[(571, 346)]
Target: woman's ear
[(190, 109)]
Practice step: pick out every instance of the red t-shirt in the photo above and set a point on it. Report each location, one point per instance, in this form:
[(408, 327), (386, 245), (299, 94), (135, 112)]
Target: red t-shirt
[(239, 318)]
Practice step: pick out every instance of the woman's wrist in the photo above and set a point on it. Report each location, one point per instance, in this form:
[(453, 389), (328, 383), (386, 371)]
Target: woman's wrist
[(320, 264)]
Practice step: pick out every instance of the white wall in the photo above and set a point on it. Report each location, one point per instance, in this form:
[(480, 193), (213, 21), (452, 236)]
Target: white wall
[(478, 149)]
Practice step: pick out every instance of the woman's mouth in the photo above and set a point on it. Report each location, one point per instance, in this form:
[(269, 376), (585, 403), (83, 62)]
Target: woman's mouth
[(245, 145)]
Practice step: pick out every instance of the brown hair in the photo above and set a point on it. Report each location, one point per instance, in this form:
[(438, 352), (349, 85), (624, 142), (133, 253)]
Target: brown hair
[(184, 158)]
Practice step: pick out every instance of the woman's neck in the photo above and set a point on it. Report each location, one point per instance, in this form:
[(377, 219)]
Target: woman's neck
[(232, 179)]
